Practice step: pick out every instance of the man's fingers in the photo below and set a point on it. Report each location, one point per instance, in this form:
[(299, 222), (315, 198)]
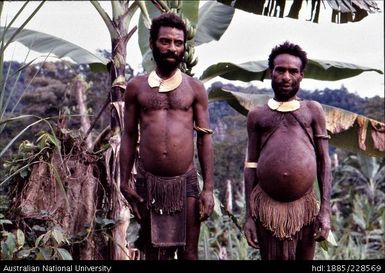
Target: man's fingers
[(251, 239), (203, 213), (203, 217), (321, 234), (136, 212), (137, 197)]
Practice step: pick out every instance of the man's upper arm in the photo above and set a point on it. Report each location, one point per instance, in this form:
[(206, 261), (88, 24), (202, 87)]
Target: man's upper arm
[(252, 136), (319, 126), (201, 116), (130, 107)]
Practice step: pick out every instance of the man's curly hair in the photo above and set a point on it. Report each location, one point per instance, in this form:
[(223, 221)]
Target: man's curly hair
[(166, 20), (288, 48)]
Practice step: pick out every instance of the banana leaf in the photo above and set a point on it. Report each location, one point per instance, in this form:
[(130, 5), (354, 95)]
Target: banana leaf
[(343, 11), (258, 70), (46, 43), (211, 21), (214, 19), (348, 130)]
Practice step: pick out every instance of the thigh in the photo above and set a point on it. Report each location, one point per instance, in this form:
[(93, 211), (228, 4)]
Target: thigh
[(306, 244), (193, 224), (272, 248)]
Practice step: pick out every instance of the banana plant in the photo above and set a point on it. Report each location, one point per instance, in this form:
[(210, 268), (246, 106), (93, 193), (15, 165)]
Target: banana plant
[(7, 36), (118, 27)]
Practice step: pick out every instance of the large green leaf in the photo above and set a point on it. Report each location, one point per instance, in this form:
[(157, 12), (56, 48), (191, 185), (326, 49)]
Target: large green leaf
[(45, 43), (258, 70), (143, 31), (189, 9), (343, 11), (214, 19), (348, 130)]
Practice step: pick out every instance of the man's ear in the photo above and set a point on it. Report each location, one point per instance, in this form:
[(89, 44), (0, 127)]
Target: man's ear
[(150, 43)]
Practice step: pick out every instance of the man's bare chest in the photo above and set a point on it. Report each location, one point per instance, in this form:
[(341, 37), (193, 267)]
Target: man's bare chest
[(289, 121), (151, 100)]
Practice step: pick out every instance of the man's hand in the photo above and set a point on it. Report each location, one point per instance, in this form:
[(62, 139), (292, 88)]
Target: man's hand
[(321, 226), (133, 199), (206, 204), (250, 230)]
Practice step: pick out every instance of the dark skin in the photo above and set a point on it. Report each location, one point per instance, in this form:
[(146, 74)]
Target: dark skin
[(166, 135), (288, 164)]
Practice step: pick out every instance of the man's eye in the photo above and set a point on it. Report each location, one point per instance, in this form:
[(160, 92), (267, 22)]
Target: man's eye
[(280, 70)]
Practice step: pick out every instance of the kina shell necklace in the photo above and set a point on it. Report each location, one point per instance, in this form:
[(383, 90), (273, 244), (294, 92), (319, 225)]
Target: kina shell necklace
[(165, 85), (283, 106)]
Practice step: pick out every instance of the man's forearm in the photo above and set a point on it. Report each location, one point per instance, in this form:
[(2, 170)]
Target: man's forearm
[(127, 157), (250, 181), (324, 183), (206, 161)]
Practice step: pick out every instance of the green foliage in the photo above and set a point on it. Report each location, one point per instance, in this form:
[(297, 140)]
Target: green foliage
[(358, 198), (47, 246), (19, 166), (221, 239)]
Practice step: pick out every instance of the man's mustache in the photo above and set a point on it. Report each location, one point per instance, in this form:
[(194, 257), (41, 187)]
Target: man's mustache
[(169, 54)]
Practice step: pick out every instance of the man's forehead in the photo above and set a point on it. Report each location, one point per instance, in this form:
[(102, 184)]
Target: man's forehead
[(170, 31), (287, 59)]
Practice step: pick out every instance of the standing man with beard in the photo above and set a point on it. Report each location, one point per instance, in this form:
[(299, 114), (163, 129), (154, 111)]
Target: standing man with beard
[(163, 108), (287, 153)]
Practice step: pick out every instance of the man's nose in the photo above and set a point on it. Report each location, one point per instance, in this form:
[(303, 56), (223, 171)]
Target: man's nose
[(286, 75), (172, 47)]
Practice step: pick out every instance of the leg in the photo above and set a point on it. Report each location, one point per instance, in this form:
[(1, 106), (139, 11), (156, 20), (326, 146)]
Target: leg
[(262, 235), (192, 230), (272, 248), (306, 244)]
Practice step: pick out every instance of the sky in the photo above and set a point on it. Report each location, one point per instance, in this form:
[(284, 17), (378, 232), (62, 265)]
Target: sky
[(249, 38)]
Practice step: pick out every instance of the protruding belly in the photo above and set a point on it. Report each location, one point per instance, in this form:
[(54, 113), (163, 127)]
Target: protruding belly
[(286, 171)]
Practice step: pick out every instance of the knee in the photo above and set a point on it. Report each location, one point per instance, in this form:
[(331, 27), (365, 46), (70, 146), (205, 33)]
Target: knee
[(189, 254)]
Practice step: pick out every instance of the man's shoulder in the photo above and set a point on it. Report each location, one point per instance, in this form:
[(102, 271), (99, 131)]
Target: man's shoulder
[(312, 104), (256, 111), (191, 80), (137, 81), (138, 78)]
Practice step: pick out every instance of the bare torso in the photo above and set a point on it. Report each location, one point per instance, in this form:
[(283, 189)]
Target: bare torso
[(166, 129), (287, 163)]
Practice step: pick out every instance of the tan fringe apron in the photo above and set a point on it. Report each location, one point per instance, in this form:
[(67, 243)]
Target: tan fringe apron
[(283, 219)]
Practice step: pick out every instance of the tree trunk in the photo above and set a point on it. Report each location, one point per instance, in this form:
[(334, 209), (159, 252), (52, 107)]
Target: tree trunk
[(80, 86), (119, 207)]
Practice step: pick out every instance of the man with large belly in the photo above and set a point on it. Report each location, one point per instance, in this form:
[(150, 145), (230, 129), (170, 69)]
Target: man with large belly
[(167, 106), (287, 153)]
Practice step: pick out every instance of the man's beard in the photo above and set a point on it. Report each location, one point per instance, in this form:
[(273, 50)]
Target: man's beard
[(284, 96), (165, 65)]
